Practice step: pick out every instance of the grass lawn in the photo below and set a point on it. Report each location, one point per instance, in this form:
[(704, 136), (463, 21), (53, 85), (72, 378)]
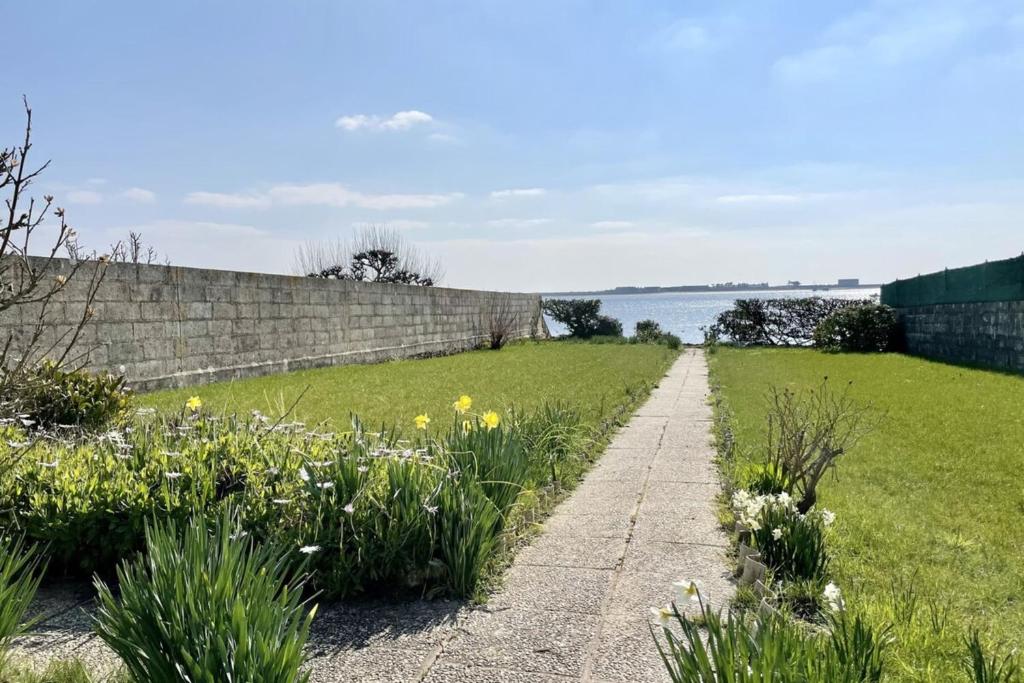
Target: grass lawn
[(933, 497), (593, 377)]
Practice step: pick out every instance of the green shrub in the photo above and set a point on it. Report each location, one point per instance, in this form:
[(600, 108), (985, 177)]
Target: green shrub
[(53, 396), (20, 573), (204, 606), (671, 341), (607, 327), (770, 647), (648, 331), (866, 327), (776, 322), (583, 317)]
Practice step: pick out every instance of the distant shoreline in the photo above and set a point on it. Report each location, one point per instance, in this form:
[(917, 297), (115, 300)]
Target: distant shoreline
[(710, 289)]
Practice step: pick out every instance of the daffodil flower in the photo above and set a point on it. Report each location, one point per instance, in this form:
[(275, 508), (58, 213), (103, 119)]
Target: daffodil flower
[(309, 549), (776, 534), (422, 421), (194, 403), (662, 616), (463, 405), (686, 591), (491, 419)]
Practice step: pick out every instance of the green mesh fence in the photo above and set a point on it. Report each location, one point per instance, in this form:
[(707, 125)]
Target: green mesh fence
[(992, 281)]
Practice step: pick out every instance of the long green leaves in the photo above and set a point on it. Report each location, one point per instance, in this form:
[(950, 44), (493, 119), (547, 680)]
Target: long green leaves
[(20, 573), (743, 648), (206, 607)]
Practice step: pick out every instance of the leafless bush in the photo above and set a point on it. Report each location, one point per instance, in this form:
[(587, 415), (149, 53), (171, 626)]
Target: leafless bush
[(374, 254), (133, 250), (808, 431), (31, 277), (501, 320)]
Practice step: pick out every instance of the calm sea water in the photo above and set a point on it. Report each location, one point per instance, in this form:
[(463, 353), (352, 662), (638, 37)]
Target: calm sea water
[(684, 313)]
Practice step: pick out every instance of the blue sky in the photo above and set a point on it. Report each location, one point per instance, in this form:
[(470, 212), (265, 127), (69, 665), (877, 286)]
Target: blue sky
[(537, 145)]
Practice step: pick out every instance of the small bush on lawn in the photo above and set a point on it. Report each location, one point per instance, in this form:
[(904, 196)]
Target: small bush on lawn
[(53, 396), (650, 332), (776, 322), (206, 606), (20, 574), (867, 327), (808, 432), (583, 317), (767, 647)]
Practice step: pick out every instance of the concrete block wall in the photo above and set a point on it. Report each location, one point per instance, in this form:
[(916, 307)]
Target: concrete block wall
[(170, 326), (985, 333)]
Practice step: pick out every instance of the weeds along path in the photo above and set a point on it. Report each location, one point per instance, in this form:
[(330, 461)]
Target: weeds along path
[(574, 605)]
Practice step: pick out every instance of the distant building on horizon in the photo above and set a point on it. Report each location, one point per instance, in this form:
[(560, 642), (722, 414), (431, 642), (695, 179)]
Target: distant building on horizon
[(848, 282)]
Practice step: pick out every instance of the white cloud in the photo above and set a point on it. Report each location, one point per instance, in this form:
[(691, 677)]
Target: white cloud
[(686, 34), (336, 194), (224, 200), (759, 198), (517, 222), (407, 225), (138, 194), (319, 194), (884, 36), (612, 225), (84, 197), (403, 120), (519, 192)]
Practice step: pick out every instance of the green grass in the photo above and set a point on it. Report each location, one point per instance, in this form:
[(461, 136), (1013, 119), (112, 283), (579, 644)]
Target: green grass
[(934, 497), (594, 377)]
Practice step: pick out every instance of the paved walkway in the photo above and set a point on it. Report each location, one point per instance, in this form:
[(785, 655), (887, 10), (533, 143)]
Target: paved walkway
[(574, 605)]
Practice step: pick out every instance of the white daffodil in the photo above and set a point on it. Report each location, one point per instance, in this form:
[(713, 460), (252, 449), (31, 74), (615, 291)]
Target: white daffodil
[(172, 475), (776, 534), (662, 616), (303, 474), (309, 549), (686, 591), (834, 597), (350, 508), (828, 517), (326, 485)]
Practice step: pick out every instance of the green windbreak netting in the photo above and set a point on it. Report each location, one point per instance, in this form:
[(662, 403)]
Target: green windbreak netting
[(992, 281)]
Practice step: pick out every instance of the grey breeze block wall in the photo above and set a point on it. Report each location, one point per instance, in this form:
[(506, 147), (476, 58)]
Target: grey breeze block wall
[(170, 326), (965, 315), (988, 333)]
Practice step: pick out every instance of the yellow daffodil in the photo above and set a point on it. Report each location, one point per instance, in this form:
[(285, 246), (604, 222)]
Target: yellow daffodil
[(422, 421), (491, 419), (463, 405), (194, 403)]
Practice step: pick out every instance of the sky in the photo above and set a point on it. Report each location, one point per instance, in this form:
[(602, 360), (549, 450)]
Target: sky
[(536, 145)]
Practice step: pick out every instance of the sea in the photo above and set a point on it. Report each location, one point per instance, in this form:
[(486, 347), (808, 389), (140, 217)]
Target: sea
[(685, 313)]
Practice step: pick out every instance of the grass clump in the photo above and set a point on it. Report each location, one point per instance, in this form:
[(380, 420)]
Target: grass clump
[(202, 605), (749, 648)]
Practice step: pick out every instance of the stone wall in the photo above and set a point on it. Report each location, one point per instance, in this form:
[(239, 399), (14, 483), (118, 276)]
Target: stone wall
[(986, 333), (169, 326)]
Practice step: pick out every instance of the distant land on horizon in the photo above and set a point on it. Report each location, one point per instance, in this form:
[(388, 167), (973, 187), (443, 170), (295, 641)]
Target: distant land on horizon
[(847, 283)]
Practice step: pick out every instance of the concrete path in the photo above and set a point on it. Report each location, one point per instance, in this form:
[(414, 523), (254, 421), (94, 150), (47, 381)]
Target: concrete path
[(574, 605)]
